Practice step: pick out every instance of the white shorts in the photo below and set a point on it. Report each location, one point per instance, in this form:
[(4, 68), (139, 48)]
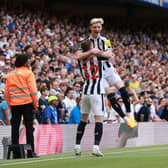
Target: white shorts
[(94, 104), (111, 76)]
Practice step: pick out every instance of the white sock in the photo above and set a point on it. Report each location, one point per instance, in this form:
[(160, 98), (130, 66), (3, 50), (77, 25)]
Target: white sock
[(95, 146), (77, 146), (125, 118)]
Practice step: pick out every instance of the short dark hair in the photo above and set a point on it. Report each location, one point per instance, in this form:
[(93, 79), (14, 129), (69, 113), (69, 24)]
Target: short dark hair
[(43, 89), (85, 45), (21, 59)]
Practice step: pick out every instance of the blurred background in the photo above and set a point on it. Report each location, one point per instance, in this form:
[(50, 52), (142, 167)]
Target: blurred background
[(128, 8), (50, 31)]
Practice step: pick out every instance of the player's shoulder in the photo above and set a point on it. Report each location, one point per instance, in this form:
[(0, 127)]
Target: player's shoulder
[(103, 37), (106, 41)]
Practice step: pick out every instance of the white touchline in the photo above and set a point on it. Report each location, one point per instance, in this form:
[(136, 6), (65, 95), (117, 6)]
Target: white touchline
[(84, 156)]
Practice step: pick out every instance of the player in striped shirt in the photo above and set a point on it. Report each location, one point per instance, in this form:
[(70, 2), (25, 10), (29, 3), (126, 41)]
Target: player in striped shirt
[(92, 97), (109, 73)]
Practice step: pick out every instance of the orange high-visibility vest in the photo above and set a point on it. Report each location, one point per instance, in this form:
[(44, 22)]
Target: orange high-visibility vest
[(20, 87)]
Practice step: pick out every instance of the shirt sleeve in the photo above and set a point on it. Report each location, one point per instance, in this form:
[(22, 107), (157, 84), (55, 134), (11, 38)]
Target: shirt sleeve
[(5, 105), (107, 44)]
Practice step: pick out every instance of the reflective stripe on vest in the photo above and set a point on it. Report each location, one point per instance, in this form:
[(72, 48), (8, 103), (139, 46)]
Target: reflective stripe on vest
[(35, 101), (7, 96), (17, 89), (24, 95), (33, 94)]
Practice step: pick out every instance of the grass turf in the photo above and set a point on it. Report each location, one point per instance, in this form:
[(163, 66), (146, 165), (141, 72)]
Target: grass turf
[(139, 157)]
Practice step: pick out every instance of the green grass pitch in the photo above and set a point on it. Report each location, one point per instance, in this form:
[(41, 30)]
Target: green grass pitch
[(138, 157)]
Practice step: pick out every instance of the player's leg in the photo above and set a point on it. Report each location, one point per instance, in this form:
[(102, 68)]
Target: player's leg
[(114, 79), (124, 95), (115, 105), (126, 100), (111, 77), (98, 108), (85, 109)]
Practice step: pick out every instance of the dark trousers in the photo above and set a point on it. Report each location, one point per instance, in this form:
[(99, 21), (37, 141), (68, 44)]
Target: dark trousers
[(17, 112)]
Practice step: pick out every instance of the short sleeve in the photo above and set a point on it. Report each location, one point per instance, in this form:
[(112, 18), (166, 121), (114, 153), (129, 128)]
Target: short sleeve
[(4, 105), (107, 44)]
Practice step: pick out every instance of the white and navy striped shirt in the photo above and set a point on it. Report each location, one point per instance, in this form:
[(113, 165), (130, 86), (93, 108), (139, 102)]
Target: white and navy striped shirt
[(103, 44), (91, 70)]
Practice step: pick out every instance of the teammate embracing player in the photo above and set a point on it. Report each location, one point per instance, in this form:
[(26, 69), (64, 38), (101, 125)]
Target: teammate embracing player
[(97, 70)]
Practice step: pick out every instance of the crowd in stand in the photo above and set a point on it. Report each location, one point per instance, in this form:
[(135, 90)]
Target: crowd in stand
[(141, 59)]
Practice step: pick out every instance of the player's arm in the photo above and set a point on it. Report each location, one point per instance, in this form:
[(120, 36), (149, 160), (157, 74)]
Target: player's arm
[(79, 55), (6, 114), (108, 50), (82, 55), (106, 54)]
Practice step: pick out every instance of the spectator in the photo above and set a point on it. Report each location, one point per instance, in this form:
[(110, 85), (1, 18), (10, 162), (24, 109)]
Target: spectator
[(161, 106), (134, 83), (70, 102), (147, 112), (43, 103), (77, 89), (62, 110), (54, 87), (50, 114), (5, 114), (75, 115), (63, 88), (164, 114)]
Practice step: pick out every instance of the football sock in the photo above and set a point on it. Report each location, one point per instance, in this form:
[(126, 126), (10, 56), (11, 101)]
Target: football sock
[(80, 132), (98, 132), (115, 105), (125, 98)]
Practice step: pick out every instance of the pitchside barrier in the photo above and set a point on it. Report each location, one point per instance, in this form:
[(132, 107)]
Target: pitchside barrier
[(51, 139)]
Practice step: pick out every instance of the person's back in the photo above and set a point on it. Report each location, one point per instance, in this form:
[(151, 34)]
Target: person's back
[(19, 84), (21, 95)]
